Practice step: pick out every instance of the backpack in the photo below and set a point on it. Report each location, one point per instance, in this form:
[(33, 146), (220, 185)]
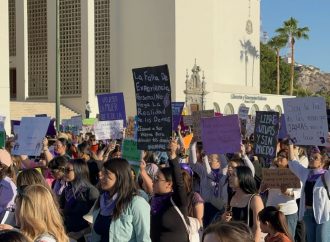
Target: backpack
[(194, 228)]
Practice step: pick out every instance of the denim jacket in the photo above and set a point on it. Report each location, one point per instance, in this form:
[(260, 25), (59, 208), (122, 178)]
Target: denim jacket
[(133, 225)]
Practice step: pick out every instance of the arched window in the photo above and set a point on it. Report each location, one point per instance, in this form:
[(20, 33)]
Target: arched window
[(266, 108), (229, 109), (254, 109), (216, 107), (278, 109)]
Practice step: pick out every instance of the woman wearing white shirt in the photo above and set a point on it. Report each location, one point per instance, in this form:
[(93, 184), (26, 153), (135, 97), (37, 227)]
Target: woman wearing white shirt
[(284, 198), (315, 198)]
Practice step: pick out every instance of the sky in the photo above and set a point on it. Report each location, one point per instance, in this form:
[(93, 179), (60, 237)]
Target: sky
[(314, 14)]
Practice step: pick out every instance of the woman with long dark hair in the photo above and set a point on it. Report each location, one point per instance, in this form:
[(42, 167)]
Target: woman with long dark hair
[(120, 214), (245, 204), (273, 222), (77, 198)]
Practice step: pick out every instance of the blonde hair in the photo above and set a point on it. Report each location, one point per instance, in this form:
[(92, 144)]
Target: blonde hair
[(37, 213)]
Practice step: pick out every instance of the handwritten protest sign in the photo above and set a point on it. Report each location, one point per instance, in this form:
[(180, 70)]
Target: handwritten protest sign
[(110, 129), (283, 132), (221, 135), (153, 105), (196, 121), (306, 120), (130, 150), (265, 133), (243, 112), (2, 123), (32, 131), (187, 120), (111, 106), (89, 121), (176, 114), (2, 139), (277, 178)]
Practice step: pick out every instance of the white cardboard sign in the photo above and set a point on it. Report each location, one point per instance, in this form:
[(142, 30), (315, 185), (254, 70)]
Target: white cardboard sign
[(110, 129)]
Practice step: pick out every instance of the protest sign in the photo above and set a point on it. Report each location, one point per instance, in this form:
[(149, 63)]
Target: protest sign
[(2, 123), (176, 114), (221, 135), (265, 133), (283, 132), (187, 120), (110, 129), (130, 150), (89, 121), (250, 124), (2, 139), (153, 105), (31, 133), (111, 107), (51, 131), (306, 120), (187, 140), (76, 124), (196, 121), (243, 112), (277, 178), (14, 123)]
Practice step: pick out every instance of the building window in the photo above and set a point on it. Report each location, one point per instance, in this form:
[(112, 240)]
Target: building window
[(37, 47), (70, 47), (102, 46), (216, 107), (278, 109), (12, 27), (266, 108), (229, 109), (254, 109)]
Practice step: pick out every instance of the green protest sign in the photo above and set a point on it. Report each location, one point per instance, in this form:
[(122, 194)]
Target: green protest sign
[(130, 151), (89, 121), (2, 139)]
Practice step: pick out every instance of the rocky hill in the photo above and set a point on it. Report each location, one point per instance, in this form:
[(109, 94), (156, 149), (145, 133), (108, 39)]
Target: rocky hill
[(313, 79)]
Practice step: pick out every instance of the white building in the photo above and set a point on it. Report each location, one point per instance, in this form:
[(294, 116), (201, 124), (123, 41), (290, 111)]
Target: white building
[(103, 40)]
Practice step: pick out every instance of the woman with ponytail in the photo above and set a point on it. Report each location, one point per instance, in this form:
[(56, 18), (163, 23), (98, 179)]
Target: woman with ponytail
[(273, 222)]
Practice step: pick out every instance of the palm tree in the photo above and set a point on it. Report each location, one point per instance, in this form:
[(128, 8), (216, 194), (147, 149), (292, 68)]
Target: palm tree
[(292, 32), (277, 43)]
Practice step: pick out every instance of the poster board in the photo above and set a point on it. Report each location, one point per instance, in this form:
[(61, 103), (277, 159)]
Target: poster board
[(112, 107), (153, 105), (110, 129), (31, 133), (221, 135), (196, 121), (243, 112), (265, 133), (177, 108), (275, 178), (2, 123), (306, 120), (2, 139)]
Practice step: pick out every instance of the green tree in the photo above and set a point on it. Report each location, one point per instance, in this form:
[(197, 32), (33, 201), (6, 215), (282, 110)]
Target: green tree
[(268, 72), (277, 43), (292, 32)]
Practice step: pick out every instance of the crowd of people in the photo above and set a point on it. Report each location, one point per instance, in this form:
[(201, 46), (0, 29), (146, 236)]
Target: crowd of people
[(81, 189)]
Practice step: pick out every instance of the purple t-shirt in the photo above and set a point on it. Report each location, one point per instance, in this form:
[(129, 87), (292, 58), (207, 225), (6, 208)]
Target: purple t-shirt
[(7, 194)]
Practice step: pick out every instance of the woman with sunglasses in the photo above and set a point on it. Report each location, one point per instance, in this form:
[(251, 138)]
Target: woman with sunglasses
[(77, 198), (120, 214), (57, 167), (284, 198), (166, 223), (315, 197)]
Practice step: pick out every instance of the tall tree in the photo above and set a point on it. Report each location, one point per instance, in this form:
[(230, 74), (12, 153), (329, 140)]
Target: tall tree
[(277, 43), (292, 32)]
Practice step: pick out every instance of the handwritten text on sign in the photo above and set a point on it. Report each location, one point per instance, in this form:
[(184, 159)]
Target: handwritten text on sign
[(265, 133), (153, 105), (196, 121), (111, 129), (111, 106), (221, 135), (306, 120), (277, 178)]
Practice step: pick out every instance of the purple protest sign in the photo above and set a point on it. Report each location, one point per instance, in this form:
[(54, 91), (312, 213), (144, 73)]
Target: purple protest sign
[(221, 135), (112, 107), (283, 132), (51, 128), (176, 114)]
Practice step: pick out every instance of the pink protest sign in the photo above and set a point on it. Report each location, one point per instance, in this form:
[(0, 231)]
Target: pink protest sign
[(221, 134)]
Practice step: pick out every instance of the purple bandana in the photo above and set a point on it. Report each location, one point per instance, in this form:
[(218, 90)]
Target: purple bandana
[(315, 174), (107, 203), (158, 202)]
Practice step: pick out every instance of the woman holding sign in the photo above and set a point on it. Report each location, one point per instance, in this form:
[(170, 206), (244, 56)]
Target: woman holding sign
[(315, 197)]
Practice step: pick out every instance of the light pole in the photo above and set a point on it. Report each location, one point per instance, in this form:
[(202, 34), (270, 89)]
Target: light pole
[(58, 63)]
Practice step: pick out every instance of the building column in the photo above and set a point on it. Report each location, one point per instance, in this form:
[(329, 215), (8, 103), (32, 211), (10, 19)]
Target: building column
[(51, 49), (21, 50), (4, 65), (88, 56)]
